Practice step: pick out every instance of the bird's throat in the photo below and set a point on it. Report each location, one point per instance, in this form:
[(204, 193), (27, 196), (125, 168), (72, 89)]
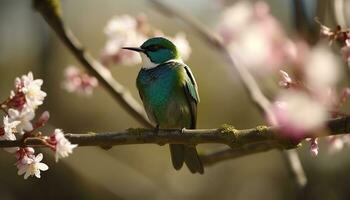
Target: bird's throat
[(147, 63)]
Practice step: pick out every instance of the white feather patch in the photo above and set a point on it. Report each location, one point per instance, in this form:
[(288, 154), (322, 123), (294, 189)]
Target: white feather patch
[(148, 64)]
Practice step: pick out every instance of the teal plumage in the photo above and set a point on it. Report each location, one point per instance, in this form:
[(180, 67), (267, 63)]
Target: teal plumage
[(163, 92), (170, 97), (169, 93)]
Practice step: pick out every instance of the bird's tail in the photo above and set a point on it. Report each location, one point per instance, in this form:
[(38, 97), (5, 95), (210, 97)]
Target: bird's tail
[(177, 152), (186, 154)]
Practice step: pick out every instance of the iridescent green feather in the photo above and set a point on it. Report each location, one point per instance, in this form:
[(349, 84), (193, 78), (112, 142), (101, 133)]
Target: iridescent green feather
[(170, 96)]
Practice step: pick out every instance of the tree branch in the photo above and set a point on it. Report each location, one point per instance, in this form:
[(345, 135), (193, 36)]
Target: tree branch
[(50, 10), (242, 142)]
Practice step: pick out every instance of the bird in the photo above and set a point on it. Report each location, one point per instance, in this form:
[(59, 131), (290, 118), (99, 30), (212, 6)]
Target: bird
[(169, 94)]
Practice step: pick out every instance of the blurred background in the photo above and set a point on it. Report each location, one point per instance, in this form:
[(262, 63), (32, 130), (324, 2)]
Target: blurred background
[(145, 171)]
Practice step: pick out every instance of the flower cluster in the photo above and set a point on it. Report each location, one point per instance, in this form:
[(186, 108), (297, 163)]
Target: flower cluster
[(122, 31), (128, 31), (339, 35), (77, 81), (255, 36), (20, 109), (309, 97), (304, 104)]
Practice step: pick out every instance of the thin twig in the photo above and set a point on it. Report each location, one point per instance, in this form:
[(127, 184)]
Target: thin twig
[(116, 89), (291, 158)]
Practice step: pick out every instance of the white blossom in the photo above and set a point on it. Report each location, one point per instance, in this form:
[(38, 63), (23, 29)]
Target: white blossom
[(24, 118), (31, 166), (32, 90), (120, 25), (63, 147), (255, 37), (322, 68), (122, 31), (234, 19), (9, 129)]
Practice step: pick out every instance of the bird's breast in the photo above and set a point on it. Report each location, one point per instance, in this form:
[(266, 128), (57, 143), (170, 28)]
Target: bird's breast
[(157, 88), (163, 97)]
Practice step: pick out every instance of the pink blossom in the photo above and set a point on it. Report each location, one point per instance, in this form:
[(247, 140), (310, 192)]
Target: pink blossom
[(122, 31), (31, 166), (26, 151), (78, 81), (234, 19), (286, 81), (112, 52), (43, 119), (313, 146), (298, 115), (24, 118), (32, 90), (61, 145), (336, 34), (120, 25), (255, 36), (27, 92), (8, 130), (17, 99), (127, 31)]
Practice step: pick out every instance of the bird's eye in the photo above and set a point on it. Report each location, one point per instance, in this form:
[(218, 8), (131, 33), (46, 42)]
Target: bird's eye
[(154, 48)]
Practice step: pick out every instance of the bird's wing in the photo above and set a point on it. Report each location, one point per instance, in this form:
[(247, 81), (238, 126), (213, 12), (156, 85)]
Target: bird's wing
[(192, 96), (191, 84)]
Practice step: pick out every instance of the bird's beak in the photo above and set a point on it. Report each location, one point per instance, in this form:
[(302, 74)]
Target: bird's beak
[(134, 49)]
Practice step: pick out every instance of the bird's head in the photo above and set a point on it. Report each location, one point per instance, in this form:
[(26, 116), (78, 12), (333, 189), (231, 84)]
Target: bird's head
[(155, 51)]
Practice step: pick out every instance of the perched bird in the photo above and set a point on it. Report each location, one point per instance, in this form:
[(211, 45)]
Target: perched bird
[(169, 94)]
